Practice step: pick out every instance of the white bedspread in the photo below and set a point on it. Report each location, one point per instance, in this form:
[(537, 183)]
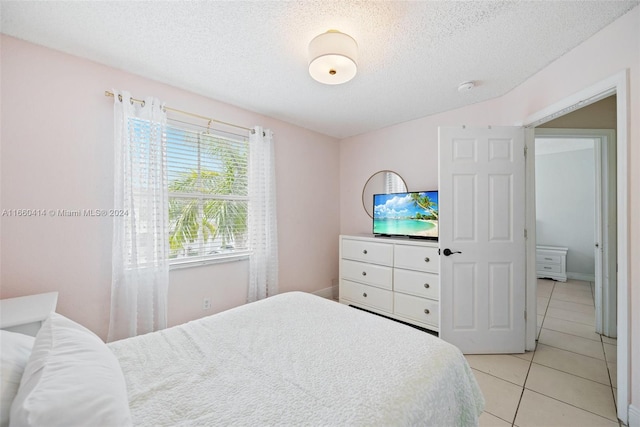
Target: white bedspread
[(297, 359)]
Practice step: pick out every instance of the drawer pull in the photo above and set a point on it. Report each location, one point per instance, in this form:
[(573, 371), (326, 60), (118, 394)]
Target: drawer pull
[(427, 259), (549, 259), (427, 286), (364, 273), (426, 311), (364, 294), (364, 252), (547, 268)]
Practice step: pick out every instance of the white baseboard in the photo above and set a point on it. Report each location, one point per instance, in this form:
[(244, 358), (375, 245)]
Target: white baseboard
[(634, 416), (330, 293), (581, 276)]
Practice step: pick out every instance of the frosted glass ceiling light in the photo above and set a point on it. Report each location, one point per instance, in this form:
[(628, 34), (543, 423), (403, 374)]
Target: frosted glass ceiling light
[(333, 58)]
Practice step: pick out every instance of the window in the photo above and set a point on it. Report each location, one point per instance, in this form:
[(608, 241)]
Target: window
[(208, 197)]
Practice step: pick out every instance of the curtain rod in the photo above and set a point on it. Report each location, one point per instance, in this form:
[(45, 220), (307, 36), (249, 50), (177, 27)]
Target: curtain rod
[(140, 101)]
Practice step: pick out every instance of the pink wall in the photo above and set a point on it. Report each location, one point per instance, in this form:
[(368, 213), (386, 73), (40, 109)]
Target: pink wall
[(411, 148), (57, 133)]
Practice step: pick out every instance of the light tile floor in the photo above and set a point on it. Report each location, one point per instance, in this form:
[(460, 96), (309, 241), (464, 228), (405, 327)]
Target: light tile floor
[(570, 380)]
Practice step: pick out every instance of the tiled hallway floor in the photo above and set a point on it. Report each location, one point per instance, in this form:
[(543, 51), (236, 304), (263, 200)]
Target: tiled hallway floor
[(570, 380)]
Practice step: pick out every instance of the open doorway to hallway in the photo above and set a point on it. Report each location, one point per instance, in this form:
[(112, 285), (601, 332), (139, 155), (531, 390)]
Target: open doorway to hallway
[(575, 213), (614, 88)]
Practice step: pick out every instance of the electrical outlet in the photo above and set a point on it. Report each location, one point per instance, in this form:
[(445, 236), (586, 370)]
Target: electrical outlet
[(206, 303)]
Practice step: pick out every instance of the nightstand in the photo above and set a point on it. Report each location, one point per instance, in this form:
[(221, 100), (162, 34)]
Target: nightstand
[(551, 262)]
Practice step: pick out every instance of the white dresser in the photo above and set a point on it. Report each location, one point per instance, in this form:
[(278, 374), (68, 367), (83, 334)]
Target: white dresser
[(398, 278), (551, 262)]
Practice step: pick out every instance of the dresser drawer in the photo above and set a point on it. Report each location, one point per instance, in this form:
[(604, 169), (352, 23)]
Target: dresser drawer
[(417, 309), (377, 253), (548, 259), (371, 274), (551, 268), (417, 258), (380, 299), (417, 283)]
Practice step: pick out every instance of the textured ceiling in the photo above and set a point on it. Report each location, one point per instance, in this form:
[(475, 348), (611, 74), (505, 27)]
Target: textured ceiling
[(412, 55)]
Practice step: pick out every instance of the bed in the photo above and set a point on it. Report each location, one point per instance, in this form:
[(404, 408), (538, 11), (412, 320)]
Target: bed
[(292, 359)]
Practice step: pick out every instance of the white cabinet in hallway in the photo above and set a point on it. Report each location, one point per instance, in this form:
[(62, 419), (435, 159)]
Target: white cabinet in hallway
[(551, 262)]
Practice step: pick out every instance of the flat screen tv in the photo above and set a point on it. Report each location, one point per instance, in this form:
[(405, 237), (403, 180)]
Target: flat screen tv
[(411, 214)]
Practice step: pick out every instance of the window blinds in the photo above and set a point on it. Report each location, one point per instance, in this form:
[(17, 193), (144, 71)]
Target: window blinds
[(208, 199)]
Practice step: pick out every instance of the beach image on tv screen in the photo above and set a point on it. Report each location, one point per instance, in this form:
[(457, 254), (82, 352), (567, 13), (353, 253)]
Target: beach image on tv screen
[(407, 214)]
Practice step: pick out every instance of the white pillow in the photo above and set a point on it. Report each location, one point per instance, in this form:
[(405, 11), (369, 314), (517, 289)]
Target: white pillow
[(72, 379), (16, 349)]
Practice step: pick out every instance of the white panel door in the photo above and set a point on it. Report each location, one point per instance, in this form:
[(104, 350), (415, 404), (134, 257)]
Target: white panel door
[(482, 221)]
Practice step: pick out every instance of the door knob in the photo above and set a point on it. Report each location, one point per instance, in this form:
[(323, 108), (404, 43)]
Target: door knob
[(448, 252)]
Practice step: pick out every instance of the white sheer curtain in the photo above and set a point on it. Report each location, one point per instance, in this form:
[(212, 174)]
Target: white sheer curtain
[(140, 268), (263, 233)]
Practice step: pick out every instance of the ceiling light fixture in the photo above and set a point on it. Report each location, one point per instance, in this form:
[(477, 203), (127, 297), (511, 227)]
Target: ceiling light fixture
[(333, 58)]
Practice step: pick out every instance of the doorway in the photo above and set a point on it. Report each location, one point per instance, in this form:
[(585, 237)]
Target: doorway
[(615, 85), (575, 173)]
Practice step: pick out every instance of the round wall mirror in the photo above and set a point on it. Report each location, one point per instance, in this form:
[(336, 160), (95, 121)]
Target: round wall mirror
[(382, 182)]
